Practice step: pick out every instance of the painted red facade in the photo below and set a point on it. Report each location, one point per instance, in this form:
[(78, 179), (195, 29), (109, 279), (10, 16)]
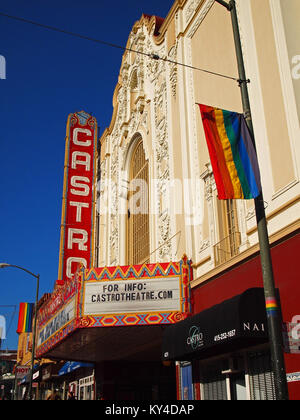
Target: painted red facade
[(248, 274)]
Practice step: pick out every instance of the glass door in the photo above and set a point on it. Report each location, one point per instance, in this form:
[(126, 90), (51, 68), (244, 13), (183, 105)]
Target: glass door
[(238, 389)]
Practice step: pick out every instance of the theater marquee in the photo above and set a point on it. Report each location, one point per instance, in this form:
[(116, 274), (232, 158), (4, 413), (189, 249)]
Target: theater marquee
[(132, 296), (123, 296), (136, 295)]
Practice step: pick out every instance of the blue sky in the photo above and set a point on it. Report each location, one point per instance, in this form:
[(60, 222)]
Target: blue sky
[(48, 76)]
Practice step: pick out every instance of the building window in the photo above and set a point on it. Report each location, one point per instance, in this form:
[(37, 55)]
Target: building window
[(213, 381), (262, 385), (244, 376), (138, 241), (230, 237)]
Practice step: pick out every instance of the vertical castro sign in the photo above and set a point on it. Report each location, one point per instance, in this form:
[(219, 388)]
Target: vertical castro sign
[(78, 210)]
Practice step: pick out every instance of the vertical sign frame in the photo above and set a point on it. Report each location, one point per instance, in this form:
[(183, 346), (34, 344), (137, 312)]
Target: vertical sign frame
[(78, 209)]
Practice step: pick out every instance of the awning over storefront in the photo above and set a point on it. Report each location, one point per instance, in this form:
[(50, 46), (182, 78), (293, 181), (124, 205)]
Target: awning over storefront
[(71, 366), (235, 323)]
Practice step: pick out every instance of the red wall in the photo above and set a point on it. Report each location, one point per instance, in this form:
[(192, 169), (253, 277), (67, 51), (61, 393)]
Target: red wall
[(285, 257)]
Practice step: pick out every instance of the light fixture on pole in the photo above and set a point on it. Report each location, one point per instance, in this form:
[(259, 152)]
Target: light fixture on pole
[(37, 276)]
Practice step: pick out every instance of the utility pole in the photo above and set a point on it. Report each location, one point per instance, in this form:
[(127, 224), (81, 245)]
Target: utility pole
[(272, 306)]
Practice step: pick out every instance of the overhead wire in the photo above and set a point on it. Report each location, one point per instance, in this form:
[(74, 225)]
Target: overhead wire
[(113, 45)]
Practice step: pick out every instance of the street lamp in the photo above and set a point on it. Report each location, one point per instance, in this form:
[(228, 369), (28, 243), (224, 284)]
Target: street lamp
[(37, 276)]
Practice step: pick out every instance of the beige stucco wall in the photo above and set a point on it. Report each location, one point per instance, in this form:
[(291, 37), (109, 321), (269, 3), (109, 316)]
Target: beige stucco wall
[(278, 136), (199, 33), (290, 10)]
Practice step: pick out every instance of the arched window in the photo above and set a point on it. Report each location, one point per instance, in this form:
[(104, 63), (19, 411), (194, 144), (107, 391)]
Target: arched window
[(138, 241), (229, 235)]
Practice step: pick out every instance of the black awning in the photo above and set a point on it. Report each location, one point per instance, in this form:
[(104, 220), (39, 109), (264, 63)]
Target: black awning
[(235, 323)]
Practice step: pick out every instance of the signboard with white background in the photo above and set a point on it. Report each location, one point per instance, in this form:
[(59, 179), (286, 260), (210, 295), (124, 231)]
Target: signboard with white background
[(131, 296)]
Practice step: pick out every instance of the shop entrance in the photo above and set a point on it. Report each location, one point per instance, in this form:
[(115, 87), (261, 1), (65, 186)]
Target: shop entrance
[(139, 381), (244, 376), (238, 390), (86, 388)]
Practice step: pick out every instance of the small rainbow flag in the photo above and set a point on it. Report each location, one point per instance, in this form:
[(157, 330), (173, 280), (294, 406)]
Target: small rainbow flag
[(25, 317), (232, 154), (271, 306)]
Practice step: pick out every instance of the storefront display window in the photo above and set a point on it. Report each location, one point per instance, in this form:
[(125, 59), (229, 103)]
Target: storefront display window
[(186, 381), (246, 376), (86, 388), (261, 376), (213, 383)]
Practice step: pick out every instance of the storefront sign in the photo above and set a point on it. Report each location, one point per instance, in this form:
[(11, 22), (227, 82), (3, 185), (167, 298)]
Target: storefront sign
[(46, 374), (36, 375), (226, 325), (122, 296), (141, 295), (60, 296), (22, 371), (195, 338), (76, 243), (147, 294), (293, 377)]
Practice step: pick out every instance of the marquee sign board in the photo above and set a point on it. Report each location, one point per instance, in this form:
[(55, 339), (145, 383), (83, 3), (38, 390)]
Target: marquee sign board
[(57, 322), (78, 210), (109, 297), (57, 317), (135, 295), (145, 294)]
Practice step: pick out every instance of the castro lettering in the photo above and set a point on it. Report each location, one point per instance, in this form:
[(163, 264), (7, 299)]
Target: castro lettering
[(195, 338), (77, 214)]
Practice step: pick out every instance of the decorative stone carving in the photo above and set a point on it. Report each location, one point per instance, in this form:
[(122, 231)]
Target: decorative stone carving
[(133, 116), (200, 18), (173, 70)]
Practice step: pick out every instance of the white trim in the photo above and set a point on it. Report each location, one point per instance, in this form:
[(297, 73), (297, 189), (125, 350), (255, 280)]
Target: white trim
[(255, 93), (286, 84)]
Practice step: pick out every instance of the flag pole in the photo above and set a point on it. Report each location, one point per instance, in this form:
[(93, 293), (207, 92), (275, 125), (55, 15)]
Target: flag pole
[(272, 305)]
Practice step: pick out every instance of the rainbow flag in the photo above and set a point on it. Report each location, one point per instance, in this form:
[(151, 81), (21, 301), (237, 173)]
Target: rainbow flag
[(25, 317), (271, 306), (232, 154)]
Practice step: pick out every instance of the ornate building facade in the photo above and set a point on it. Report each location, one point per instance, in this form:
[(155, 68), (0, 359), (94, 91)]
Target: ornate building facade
[(157, 196), (158, 216), (155, 104)]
